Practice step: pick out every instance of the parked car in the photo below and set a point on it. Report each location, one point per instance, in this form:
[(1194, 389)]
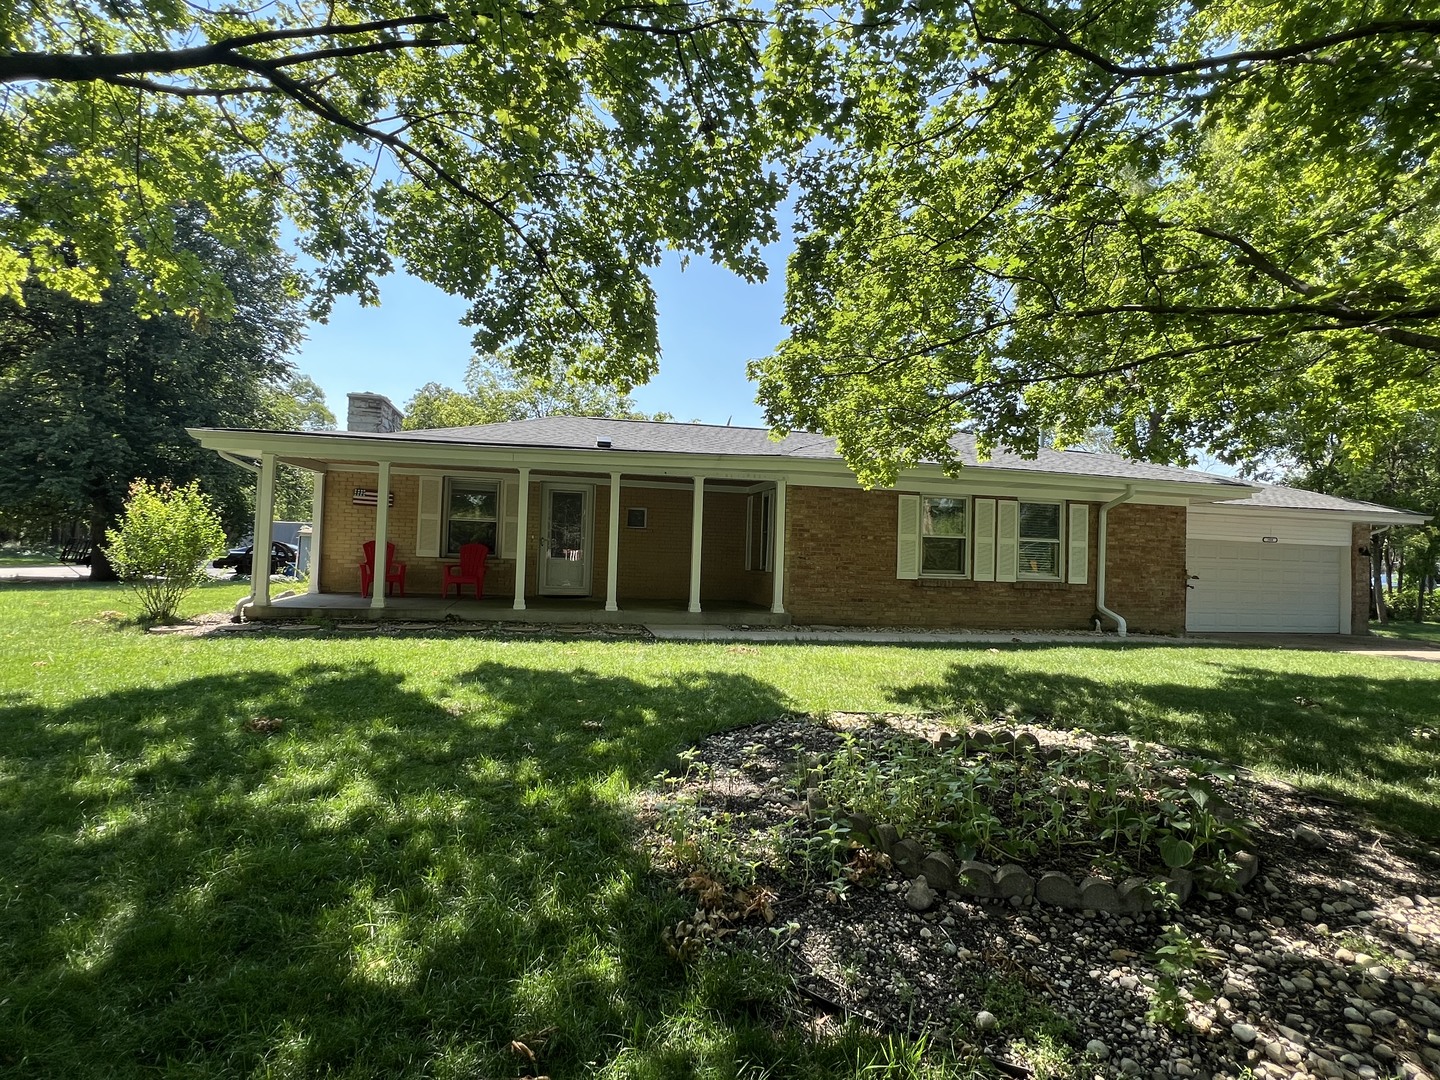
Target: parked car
[(282, 556)]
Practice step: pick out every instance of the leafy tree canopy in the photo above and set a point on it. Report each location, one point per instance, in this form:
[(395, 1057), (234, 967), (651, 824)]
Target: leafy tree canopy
[(534, 157), (1179, 221), (495, 393), (95, 396)]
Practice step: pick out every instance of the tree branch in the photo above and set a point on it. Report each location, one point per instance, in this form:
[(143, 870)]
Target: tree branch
[(1205, 64)]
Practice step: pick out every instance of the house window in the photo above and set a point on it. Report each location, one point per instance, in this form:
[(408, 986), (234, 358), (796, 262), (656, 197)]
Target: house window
[(472, 514), (944, 532), (1039, 540), (635, 517), (760, 540)]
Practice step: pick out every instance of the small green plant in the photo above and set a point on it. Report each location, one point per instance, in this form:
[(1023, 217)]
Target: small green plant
[(1121, 811), (1177, 958), (165, 537)]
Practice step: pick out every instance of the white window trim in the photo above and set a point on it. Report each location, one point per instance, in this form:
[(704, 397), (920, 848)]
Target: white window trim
[(472, 481), (1021, 573), (964, 573)]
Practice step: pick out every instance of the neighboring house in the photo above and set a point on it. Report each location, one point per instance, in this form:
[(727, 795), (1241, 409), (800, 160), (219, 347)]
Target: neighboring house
[(648, 521)]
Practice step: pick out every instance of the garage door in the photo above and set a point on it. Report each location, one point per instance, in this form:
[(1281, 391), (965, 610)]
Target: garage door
[(1266, 588)]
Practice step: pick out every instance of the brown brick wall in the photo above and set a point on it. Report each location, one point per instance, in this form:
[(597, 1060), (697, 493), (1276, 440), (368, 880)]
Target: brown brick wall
[(1145, 574), (840, 568), (1359, 580)]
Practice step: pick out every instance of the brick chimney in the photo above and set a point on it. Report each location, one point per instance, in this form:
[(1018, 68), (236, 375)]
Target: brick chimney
[(372, 412)]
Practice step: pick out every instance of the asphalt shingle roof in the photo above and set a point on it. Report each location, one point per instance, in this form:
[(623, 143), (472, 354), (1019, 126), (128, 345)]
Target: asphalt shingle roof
[(1276, 497), (641, 436)]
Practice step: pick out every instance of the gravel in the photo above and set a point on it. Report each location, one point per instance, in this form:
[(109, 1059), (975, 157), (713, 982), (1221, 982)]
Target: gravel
[(1352, 992)]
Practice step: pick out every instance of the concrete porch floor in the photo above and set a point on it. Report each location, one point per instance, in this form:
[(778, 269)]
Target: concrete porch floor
[(540, 609)]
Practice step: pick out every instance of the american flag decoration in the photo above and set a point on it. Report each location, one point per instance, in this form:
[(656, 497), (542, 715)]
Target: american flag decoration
[(369, 497)]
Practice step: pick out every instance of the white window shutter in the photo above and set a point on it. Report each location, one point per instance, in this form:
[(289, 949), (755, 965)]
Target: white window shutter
[(984, 539), (427, 517), (1007, 540), (510, 509), (907, 538), (1079, 546)]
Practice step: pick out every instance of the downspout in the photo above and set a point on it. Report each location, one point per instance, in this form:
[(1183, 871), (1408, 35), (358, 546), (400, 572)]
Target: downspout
[(253, 466), (1100, 557)]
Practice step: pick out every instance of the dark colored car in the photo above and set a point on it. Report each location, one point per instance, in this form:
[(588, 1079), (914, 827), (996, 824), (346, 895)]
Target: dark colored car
[(281, 556)]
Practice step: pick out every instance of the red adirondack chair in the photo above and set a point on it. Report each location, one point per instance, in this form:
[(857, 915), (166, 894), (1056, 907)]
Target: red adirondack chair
[(394, 572), (470, 570)]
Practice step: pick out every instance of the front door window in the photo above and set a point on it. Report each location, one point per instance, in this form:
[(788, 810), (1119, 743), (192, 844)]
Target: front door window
[(565, 556)]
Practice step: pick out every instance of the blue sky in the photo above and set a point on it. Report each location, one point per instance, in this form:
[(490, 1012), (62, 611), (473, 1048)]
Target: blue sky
[(711, 323)]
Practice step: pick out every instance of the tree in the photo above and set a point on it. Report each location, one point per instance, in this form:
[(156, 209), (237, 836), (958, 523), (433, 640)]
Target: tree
[(1399, 467), (495, 393), (534, 157), (95, 396), (1174, 220), (164, 538), (298, 405)]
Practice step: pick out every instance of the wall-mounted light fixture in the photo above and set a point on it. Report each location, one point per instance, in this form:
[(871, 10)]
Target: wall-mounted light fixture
[(1270, 539)]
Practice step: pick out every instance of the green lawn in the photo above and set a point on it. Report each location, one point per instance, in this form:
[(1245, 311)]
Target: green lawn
[(434, 854), (14, 553), (1411, 631)]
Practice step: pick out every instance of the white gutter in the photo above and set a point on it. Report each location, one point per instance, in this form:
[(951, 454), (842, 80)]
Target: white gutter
[(1120, 626)]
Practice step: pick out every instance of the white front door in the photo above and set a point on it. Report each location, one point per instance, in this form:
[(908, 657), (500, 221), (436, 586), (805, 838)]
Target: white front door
[(566, 539)]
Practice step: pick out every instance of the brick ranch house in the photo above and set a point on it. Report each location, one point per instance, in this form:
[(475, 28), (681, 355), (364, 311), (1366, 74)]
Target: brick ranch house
[(614, 520)]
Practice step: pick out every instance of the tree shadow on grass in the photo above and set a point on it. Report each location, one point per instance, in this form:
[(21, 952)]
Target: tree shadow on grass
[(365, 880), (1358, 732)]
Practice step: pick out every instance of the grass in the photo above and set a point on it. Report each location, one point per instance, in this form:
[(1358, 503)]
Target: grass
[(17, 553), (1411, 631), (433, 856)]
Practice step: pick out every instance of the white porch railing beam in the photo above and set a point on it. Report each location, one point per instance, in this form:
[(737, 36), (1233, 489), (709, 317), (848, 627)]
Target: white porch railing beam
[(697, 524), (264, 532), (522, 538), (777, 604), (382, 534), (317, 531), (612, 554)]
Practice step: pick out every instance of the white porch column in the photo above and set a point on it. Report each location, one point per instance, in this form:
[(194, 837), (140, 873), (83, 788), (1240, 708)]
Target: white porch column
[(777, 604), (697, 523), (317, 531), (382, 533), (522, 539), (264, 533), (612, 569)]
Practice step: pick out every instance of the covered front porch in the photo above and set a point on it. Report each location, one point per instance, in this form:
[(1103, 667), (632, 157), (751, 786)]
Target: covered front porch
[(567, 545)]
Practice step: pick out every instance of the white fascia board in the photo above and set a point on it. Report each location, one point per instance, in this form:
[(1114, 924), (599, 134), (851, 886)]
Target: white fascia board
[(806, 472)]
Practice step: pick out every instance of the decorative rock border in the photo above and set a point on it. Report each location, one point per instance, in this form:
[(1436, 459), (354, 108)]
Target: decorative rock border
[(981, 880)]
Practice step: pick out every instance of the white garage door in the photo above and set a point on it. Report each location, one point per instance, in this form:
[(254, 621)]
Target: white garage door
[(1269, 588)]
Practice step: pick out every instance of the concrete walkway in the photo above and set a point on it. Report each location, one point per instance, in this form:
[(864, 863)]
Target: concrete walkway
[(843, 636), (33, 574), (1396, 648)]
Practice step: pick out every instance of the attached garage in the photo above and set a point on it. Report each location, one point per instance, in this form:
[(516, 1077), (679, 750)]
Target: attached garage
[(1266, 588), (1267, 572)]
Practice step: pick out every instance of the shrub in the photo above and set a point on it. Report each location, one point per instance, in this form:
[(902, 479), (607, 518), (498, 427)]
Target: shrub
[(166, 536)]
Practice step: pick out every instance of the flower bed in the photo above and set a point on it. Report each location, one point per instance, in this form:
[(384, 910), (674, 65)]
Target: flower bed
[(994, 813)]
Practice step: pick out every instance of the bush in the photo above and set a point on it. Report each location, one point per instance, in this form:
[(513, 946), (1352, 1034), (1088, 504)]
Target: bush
[(165, 538)]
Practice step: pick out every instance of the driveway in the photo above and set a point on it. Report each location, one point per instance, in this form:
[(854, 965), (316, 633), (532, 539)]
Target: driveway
[(1339, 643)]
